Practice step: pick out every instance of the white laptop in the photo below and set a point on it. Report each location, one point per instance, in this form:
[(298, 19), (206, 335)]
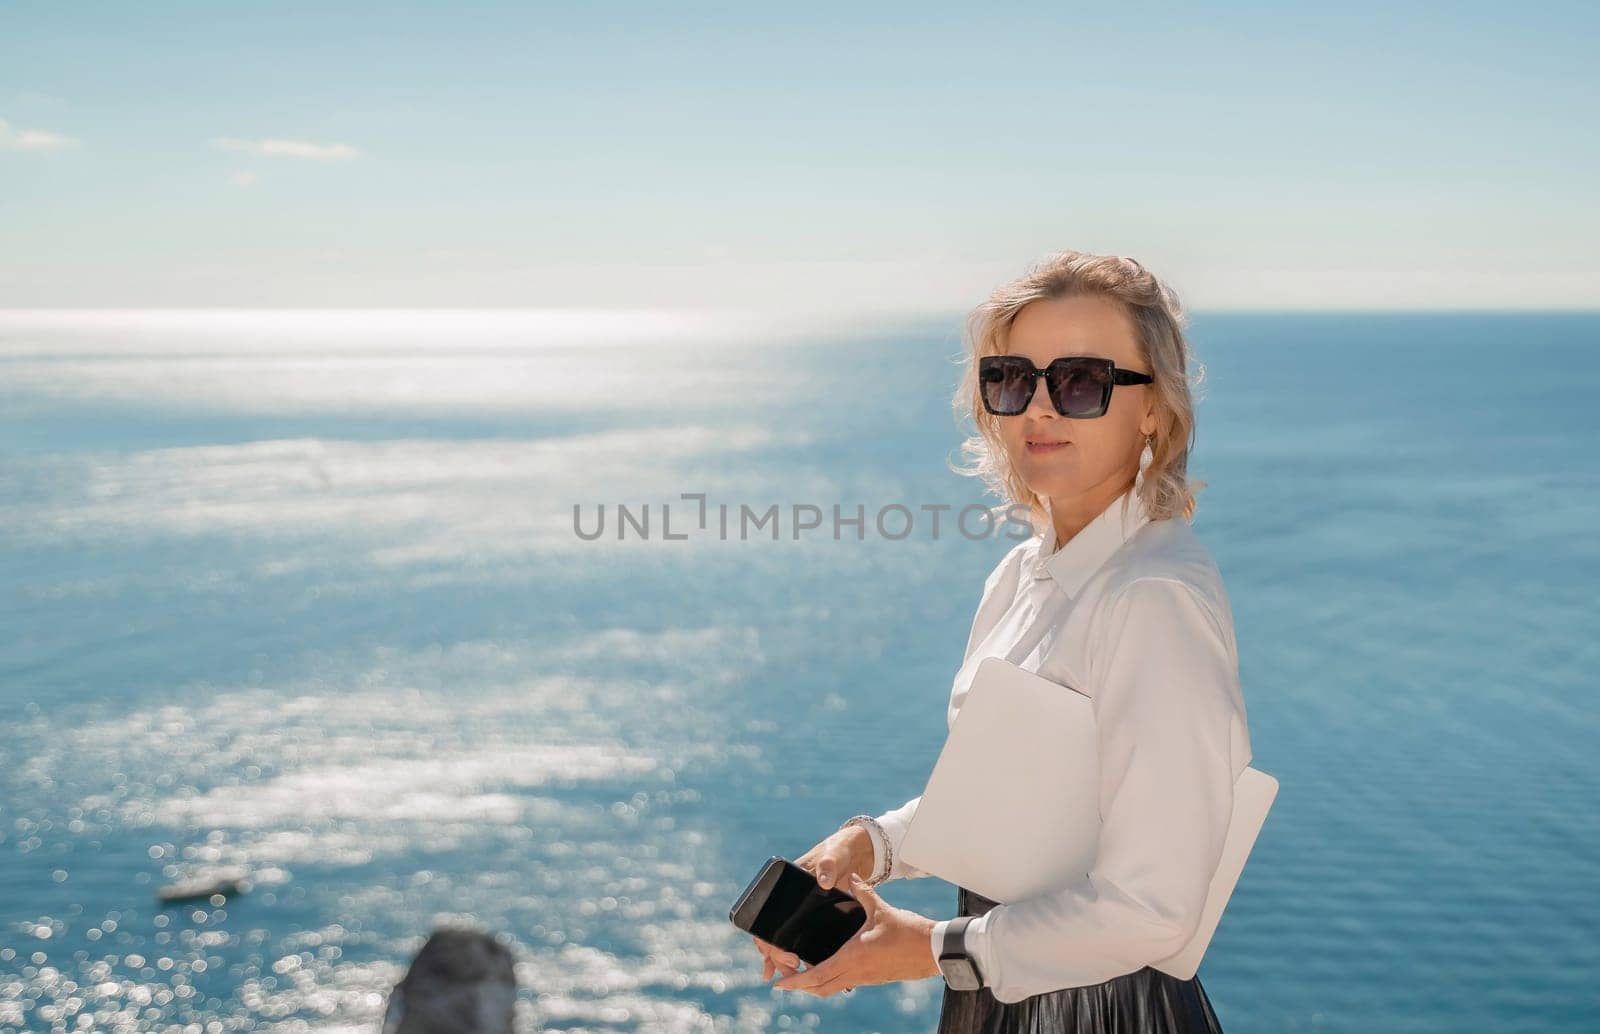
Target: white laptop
[(1018, 742)]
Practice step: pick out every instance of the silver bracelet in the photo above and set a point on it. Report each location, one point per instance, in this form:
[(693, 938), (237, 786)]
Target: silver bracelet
[(875, 831)]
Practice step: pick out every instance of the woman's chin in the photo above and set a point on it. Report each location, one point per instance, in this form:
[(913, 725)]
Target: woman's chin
[(1058, 473), (1050, 487)]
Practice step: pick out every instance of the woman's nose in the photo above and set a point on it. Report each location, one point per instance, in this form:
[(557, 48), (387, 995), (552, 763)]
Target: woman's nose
[(1040, 401)]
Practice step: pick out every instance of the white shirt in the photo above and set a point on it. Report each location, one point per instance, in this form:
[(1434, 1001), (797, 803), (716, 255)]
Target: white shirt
[(1132, 613)]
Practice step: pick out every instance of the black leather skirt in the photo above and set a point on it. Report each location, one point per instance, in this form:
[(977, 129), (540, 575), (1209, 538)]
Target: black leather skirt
[(1147, 1001)]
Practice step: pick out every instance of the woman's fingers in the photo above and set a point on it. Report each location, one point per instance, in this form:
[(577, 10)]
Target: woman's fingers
[(827, 862), (776, 955), (773, 963), (829, 867)]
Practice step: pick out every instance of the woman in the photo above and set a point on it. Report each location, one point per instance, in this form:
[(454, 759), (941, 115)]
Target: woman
[(1130, 609)]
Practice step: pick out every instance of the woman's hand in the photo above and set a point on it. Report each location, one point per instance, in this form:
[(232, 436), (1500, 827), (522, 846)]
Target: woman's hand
[(843, 852), (893, 944)]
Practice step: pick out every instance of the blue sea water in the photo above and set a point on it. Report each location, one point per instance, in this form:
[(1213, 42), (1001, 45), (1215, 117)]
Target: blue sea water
[(303, 593)]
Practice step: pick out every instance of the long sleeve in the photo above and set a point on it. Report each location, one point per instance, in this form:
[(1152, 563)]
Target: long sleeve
[(1172, 737), (895, 823)]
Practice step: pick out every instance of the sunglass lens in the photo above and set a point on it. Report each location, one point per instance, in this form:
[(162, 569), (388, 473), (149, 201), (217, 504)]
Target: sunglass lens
[(1077, 390), (1007, 386)]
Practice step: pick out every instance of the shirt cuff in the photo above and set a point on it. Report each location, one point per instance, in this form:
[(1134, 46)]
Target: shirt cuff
[(895, 822), (936, 940), (980, 948)]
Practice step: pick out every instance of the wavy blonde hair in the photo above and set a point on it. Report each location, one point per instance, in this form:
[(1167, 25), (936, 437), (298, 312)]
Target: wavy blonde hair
[(1159, 323)]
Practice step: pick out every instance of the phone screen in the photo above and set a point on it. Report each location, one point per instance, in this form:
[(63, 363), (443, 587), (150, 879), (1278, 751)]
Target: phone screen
[(785, 906)]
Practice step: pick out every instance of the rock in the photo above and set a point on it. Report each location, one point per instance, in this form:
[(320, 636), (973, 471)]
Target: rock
[(225, 882), (462, 982)]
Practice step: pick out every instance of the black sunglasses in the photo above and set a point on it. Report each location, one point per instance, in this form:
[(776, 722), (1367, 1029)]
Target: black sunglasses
[(1080, 385)]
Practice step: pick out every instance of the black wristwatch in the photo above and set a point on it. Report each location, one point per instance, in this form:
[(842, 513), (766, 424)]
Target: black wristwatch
[(959, 969)]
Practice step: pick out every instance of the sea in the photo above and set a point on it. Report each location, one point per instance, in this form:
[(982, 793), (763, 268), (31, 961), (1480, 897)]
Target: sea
[(559, 624)]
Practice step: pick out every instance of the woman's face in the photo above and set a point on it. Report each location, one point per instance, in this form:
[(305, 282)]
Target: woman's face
[(1098, 457)]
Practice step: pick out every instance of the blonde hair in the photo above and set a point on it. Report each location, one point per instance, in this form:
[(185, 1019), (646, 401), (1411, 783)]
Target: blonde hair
[(1158, 320)]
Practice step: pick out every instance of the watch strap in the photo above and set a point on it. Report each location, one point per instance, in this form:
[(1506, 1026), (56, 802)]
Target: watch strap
[(953, 951), (955, 936)]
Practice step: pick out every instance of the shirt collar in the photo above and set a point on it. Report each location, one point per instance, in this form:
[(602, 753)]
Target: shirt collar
[(1083, 554)]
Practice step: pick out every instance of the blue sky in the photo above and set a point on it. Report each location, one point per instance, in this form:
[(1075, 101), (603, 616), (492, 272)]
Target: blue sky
[(887, 157)]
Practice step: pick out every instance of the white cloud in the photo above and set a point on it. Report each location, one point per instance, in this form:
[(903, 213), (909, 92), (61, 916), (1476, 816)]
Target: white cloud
[(32, 139), (244, 179), (288, 149)]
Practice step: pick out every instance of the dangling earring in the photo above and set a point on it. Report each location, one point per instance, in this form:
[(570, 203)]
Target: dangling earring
[(1145, 459)]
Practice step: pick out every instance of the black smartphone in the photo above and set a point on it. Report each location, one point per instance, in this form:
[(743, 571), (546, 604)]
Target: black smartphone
[(786, 906)]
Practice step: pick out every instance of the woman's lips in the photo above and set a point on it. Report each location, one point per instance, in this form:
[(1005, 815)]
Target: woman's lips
[(1043, 447)]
